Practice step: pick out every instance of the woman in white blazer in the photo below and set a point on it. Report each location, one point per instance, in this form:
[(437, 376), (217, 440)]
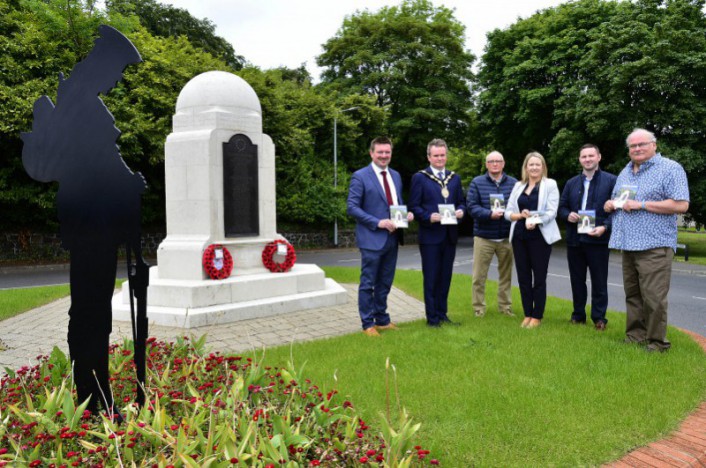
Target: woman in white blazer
[(532, 208)]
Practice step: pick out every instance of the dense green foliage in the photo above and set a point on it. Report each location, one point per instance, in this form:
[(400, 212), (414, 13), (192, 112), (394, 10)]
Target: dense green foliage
[(168, 21), (593, 70), (411, 58), (588, 70)]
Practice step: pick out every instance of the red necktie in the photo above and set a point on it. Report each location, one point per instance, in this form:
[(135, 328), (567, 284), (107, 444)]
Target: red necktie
[(388, 194)]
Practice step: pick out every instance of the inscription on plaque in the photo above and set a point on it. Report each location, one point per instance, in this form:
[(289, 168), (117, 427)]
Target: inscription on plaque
[(240, 188)]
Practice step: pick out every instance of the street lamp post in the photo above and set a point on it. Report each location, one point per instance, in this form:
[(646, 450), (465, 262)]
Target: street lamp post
[(335, 167)]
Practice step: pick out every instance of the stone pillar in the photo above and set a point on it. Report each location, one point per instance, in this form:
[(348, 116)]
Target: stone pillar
[(218, 118)]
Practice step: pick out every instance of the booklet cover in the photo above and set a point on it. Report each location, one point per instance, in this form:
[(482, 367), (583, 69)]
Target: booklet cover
[(587, 221), (626, 192), (497, 202), (534, 218), (398, 215), (448, 214)]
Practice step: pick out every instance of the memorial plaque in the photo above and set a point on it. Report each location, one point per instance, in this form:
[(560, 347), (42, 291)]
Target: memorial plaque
[(240, 188)]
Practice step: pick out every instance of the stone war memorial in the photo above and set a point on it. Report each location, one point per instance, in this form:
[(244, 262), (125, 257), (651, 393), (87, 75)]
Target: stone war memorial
[(220, 192)]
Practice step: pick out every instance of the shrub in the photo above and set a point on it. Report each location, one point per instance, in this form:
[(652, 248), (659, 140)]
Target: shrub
[(203, 409)]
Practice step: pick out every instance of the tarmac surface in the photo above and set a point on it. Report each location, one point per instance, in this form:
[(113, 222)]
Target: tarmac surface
[(34, 333)]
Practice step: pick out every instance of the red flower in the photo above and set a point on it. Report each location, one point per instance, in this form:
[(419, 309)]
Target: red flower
[(434, 461), (314, 463), (363, 460), (234, 460), (371, 452)]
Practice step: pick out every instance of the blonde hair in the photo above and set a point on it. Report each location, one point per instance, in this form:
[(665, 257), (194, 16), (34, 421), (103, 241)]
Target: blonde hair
[(533, 154)]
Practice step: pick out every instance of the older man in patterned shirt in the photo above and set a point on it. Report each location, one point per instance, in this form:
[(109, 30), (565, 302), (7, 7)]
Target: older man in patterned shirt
[(645, 229)]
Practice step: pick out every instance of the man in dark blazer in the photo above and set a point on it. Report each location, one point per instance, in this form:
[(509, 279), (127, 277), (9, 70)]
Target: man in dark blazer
[(372, 191), (430, 188), (588, 191)]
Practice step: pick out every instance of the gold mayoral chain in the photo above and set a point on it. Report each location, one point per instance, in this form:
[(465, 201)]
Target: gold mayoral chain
[(442, 183)]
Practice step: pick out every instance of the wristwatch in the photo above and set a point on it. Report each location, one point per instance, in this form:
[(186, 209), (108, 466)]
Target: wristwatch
[(644, 207)]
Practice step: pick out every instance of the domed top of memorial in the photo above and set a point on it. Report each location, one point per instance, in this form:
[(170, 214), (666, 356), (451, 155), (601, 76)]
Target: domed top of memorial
[(218, 99)]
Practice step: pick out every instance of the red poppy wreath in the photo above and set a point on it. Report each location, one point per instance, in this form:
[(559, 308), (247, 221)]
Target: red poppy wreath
[(217, 262), (269, 251)]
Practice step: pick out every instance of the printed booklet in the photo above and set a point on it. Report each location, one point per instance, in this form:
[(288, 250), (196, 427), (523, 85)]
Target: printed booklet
[(626, 192), (497, 202), (587, 221), (534, 218), (448, 214), (398, 215)]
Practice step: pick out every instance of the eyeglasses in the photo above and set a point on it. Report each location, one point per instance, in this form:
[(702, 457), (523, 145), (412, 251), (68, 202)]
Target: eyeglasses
[(644, 144), (495, 161)]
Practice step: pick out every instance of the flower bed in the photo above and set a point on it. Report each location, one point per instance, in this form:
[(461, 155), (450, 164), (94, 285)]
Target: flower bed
[(204, 409)]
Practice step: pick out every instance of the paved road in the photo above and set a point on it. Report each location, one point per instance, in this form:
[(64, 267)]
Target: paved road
[(687, 296)]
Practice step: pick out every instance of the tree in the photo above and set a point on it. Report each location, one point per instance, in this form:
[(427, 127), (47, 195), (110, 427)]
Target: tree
[(411, 59), (591, 71), (41, 39), (168, 21)]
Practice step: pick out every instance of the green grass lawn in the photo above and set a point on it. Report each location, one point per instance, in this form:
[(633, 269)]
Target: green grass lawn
[(16, 301), (696, 240), (489, 393)]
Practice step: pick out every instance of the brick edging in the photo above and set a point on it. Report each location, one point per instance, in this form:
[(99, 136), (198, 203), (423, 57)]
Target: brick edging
[(684, 447)]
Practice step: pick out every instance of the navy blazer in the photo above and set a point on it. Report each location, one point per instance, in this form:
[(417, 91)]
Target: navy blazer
[(425, 198), (600, 190), (367, 203)]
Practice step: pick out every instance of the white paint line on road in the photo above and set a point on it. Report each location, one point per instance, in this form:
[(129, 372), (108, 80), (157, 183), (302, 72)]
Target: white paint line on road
[(616, 285), (558, 276), (349, 261), (700, 298)]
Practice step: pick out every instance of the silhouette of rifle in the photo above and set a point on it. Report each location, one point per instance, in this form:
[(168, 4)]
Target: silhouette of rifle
[(138, 280)]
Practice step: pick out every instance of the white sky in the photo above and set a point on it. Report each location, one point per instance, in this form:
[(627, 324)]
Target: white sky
[(273, 33)]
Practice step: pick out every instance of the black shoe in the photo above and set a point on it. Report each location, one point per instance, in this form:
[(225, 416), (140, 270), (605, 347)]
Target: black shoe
[(600, 325), (433, 325), (578, 322), (651, 348), (447, 321), (631, 341)]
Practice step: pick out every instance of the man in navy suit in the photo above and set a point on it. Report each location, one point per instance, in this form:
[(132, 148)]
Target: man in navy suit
[(588, 191), (430, 188), (373, 190)]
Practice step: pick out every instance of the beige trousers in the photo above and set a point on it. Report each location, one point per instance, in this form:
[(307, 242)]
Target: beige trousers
[(483, 251)]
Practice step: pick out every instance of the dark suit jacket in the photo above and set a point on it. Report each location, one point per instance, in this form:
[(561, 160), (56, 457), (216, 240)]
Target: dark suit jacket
[(600, 190), (425, 198), (368, 205)]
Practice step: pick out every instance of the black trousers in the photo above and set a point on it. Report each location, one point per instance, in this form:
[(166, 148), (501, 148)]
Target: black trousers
[(532, 264), (437, 268), (594, 258), (93, 268)]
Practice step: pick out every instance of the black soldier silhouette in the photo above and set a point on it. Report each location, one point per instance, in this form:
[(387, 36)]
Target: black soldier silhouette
[(75, 143)]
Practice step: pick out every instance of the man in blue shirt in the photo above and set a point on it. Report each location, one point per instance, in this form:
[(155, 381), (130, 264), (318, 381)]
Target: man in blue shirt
[(645, 229), (491, 232), (583, 195)]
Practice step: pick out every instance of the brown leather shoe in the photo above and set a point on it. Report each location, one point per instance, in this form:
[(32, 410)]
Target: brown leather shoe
[(600, 326), (389, 326), (371, 332)]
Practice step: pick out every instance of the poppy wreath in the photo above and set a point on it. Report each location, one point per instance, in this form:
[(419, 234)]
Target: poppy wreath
[(269, 251), (209, 262)]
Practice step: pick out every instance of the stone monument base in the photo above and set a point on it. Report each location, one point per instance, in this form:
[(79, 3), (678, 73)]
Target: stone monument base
[(192, 303)]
